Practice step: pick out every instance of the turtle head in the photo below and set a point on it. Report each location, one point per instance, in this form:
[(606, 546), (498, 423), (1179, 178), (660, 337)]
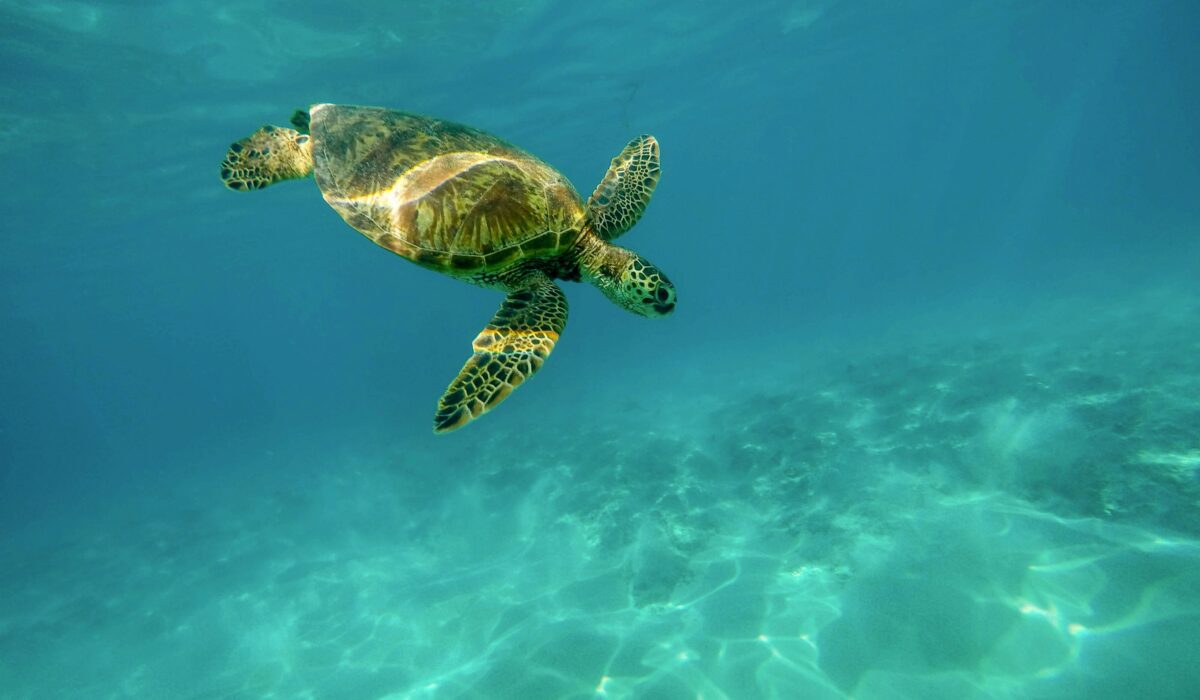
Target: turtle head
[(271, 154), (630, 281), (644, 289)]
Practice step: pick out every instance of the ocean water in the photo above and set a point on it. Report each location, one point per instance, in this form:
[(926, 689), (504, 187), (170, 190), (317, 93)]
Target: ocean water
[(925, 424)]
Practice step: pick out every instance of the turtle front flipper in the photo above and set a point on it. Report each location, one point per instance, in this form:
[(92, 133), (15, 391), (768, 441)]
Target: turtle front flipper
[(271, 154), (302, 120), (623, 194), (508, 351)]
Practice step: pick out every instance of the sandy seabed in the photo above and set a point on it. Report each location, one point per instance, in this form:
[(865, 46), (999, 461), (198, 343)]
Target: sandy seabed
[(1011, 514)]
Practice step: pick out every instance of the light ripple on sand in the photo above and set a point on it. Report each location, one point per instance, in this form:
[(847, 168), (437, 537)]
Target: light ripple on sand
[(817, 539)]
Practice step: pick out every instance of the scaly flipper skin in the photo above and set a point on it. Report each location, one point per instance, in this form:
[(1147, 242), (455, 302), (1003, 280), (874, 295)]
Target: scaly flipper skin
[(623, 194), (508, 351), (302, 120)]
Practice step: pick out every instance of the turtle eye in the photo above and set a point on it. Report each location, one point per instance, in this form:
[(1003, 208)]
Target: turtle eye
[(302, 139)]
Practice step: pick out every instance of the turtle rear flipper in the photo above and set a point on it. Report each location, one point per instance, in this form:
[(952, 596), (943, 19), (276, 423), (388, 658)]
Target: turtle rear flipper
[(623, 194), (508, 351), (271, 154)]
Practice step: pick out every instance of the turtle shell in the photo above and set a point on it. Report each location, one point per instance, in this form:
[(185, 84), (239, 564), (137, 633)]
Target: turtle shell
[(444, 195)]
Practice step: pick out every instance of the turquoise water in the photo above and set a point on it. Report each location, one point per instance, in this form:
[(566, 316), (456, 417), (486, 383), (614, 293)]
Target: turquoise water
[(925, 423)]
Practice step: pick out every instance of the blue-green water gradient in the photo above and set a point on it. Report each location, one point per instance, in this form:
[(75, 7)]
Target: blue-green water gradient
[(925, 423)]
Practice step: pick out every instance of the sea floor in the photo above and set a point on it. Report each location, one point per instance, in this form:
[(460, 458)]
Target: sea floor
[(1009, 514)]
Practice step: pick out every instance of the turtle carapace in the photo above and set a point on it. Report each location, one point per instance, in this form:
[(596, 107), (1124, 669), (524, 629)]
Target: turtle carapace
[(469, 205)]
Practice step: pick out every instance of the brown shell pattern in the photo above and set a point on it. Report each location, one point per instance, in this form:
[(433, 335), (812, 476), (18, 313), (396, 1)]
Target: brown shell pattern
[(444, 195)]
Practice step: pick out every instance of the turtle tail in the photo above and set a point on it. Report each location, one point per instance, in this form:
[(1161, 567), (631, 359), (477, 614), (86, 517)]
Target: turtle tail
[(271, 154)]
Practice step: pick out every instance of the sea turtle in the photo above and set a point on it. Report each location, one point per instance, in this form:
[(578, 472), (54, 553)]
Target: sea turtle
[(464, 203)]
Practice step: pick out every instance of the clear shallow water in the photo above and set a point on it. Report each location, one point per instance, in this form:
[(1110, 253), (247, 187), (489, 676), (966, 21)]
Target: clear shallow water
[(976, 515), (925, 423)]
